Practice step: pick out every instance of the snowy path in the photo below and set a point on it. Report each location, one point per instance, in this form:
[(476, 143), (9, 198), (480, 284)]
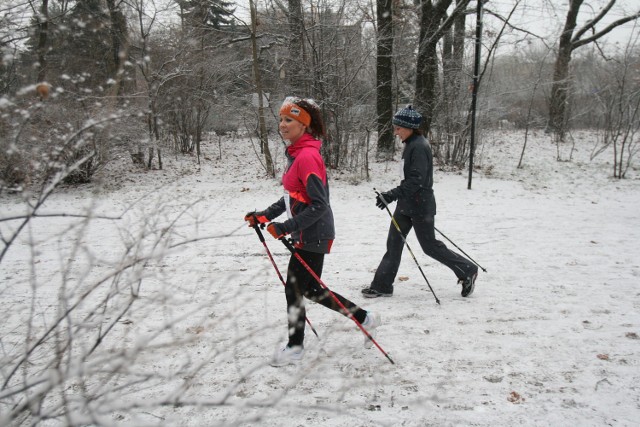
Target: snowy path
[(550, 337)]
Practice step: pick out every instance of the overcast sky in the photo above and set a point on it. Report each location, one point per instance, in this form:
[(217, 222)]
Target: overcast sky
[(546, 18)]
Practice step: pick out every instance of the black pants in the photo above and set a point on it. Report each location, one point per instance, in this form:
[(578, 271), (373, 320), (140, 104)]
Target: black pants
[(425, 232), (300, 283)]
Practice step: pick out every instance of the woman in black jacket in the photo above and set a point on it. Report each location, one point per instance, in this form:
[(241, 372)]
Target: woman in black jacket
[(416, 209)]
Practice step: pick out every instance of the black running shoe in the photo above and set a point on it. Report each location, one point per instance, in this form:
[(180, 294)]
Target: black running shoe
[(468, 284), (372, 293)]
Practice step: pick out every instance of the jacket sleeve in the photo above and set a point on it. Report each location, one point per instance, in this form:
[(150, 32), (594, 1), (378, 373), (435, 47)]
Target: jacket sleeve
[(319, 195), (275, 210), (416, 174)]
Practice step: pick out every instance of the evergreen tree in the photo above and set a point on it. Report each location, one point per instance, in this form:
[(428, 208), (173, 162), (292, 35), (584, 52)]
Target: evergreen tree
[(206, 13), (80, 44)]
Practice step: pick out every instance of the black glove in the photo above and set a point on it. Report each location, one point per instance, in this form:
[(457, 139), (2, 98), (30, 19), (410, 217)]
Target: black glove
[(388, 197)]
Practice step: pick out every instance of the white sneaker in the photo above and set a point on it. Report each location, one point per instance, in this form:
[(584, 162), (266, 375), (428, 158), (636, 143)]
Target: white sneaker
[(371, 322), (287, 356)]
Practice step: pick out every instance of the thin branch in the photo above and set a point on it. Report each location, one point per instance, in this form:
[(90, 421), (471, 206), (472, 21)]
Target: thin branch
[(590, 24), (514, 27), (58, 215), (577, 43)]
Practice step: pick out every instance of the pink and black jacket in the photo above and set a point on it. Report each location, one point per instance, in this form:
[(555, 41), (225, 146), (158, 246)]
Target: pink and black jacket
[(306, 200)]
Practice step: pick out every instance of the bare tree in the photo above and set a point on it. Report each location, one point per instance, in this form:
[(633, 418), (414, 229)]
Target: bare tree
[(620, 114), (119, 44), (384, 78), (434, 22), (453, 58), (338, 60), (262, 128), (42, 18), (527, 122), (452, 101), (155, 77), (454, 112), (72, 358), (296, 64), (571, 39)]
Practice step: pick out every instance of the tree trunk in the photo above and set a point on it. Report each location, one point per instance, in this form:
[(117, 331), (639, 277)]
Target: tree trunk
[(457, 60), (264, 140), (198, 133), (431, 17), (119, 46), (297, 77), (560, 87), (154, 132), (43, 30), (452, 72), (426, 78), (384, 76)]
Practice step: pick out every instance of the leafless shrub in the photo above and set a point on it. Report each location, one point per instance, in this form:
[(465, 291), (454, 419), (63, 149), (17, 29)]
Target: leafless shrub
[(15, 170), (620, 117), (86, 339)]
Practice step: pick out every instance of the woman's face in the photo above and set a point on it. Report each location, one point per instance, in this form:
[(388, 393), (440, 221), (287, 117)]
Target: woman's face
[(291, 129), (403, 133)]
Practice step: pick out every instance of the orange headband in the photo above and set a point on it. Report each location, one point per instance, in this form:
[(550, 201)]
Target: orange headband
[(295, 112)]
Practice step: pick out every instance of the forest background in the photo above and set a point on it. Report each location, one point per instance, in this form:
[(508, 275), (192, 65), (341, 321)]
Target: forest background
[(84, 85), (167, 73)]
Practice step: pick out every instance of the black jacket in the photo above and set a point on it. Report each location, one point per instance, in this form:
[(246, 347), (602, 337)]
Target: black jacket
[(415, 192)]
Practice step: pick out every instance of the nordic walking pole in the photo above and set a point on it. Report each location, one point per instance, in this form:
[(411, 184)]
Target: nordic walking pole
[(261, 237), (472, 260), (326, 288), (393, 220)]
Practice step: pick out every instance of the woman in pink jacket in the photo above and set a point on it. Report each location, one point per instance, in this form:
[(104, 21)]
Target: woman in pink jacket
[(309, 222)]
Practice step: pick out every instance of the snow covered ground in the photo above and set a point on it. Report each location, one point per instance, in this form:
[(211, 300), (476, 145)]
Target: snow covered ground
[(551, 335)]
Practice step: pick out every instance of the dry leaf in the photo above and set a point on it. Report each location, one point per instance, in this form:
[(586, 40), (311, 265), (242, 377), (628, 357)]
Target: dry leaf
[(514, 397)]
